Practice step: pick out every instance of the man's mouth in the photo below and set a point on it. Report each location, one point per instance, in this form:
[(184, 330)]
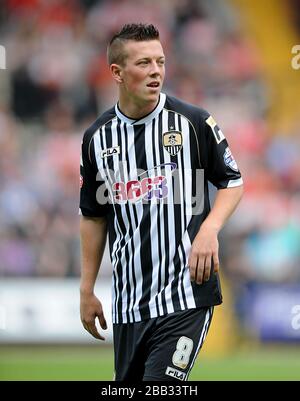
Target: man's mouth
[(153, 84)]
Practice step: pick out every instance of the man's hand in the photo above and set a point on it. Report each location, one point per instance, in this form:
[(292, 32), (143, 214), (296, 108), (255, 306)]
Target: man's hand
[(205, 248), (90, 309)]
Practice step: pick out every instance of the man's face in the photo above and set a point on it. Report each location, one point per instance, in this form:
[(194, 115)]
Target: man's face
[(144, 70)]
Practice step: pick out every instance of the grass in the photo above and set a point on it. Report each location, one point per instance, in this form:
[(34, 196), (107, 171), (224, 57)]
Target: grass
[(96, 363)]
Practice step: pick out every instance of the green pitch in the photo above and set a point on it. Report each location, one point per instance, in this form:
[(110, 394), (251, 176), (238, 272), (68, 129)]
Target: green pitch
[(96, 363)]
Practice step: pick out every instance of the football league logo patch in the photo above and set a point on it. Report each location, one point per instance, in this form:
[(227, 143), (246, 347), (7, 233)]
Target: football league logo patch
[(218, 134), (229, 160), (172, 141)]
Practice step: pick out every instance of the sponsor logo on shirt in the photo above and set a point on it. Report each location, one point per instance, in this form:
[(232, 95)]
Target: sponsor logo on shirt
[(150, 187)]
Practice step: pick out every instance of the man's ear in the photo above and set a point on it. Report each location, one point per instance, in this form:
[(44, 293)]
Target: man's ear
[(116, 72)]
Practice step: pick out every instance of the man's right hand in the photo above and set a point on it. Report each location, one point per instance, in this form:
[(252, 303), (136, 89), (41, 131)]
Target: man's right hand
[(90, 309)]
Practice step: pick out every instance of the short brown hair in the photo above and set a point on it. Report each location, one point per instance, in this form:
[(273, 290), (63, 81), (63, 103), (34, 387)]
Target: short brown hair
[(137, 32)]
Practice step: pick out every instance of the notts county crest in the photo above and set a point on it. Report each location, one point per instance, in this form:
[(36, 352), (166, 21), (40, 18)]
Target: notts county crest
[(172, 141)]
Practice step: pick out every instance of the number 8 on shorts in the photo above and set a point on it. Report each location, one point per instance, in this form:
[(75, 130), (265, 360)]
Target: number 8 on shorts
[(183, 351)]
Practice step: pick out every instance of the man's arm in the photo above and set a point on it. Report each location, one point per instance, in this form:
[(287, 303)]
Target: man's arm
[(93, 233), (205, 246)]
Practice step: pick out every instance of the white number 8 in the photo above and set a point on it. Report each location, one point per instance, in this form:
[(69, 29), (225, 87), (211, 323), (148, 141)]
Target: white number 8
[(183, 351)]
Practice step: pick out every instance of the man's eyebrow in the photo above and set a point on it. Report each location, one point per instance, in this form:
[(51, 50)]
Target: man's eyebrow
[(149, 58)]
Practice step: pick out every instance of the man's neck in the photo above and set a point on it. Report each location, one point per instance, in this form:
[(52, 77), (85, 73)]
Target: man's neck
[(136, 110)]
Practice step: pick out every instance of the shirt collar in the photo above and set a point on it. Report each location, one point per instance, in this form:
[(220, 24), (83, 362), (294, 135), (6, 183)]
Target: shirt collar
[(144, 120)]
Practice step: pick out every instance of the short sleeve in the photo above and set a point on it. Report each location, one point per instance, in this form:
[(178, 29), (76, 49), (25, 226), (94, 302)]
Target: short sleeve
[(221, 168), (92, 204)]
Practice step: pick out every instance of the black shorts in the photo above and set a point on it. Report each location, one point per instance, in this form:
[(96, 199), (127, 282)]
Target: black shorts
[(162, 348)]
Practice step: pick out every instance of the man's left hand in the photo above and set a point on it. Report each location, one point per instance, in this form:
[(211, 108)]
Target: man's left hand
[(205, 248)]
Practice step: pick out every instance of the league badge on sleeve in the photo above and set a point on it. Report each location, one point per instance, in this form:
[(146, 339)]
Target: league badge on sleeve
[(172, 141), (229, 160), (218, 134)]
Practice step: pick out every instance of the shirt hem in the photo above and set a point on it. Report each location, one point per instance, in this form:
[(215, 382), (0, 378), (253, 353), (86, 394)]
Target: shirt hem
[(123, 318)]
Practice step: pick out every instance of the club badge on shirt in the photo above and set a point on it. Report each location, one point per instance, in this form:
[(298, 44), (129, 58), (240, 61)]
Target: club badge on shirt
[(172, 141)]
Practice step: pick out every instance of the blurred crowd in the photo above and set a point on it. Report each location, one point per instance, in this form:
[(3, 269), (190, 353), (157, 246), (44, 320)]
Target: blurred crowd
[(57, 82)]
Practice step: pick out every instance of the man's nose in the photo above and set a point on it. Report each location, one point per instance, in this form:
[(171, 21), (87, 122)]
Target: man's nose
[(155, 70)]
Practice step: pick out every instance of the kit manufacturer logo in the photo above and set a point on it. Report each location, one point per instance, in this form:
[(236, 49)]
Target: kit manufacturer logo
[(110, 152)]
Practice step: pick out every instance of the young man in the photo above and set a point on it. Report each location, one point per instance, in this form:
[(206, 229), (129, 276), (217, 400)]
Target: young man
[(142, 183)]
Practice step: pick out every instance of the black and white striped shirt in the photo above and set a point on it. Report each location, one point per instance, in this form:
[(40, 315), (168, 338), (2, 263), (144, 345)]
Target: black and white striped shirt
[(151, 171)]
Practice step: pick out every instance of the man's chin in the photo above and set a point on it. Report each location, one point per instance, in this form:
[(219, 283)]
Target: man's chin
[(152, 97), (148, 98)]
